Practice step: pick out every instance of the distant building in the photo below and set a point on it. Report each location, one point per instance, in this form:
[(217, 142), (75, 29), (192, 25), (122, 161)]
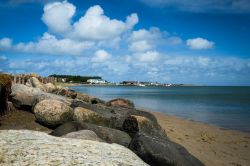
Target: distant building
[(96, 81), (130, 82)]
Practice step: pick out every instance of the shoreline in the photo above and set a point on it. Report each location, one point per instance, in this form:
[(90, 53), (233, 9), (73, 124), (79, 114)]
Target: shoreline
[(213, 145), (226, 126)]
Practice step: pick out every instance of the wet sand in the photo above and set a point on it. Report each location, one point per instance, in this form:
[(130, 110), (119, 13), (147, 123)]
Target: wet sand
[(19, 120), (214, 146)]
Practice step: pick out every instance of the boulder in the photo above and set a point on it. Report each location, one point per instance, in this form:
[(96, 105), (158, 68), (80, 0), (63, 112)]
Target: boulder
[(94, 100), (83, 134), (85, 115), (83, 97), (116, 115), (5, 90), (121, 102), (134, 124), (49, 87), (24, 147), (89, 99), (107, 134), (35, 83), (161, 151), (26, 97), (65, 92), (52, 112)]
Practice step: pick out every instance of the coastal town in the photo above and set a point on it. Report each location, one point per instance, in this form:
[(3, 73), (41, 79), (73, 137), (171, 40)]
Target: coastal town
[(85, 80)]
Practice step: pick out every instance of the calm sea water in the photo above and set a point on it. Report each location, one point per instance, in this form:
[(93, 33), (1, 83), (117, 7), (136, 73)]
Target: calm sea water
[(227, 107)]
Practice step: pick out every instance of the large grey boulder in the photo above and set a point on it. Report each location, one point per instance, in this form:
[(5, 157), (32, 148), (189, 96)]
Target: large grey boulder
[(85, 115), (161, 151), (107, 134), (52, 112), (26, 97), (89, 99), (134, 124), (83, 134), (121, 103), (63, 91), (35, 83), (23, 147), (49, 87)]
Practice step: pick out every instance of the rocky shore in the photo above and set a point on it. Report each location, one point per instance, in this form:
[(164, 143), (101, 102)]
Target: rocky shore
[(82, 130)]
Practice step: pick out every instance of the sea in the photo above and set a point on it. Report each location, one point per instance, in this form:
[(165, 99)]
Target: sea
[(224, 106)]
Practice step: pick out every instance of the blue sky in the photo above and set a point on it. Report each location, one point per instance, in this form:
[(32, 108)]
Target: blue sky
[(170, 41)]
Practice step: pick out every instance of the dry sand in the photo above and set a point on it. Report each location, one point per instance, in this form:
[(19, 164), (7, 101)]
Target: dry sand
[(212, 145)]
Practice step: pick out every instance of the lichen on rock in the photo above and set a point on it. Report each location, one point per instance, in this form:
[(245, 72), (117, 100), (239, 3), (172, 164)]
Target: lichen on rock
[(23, 147), (52, 112)]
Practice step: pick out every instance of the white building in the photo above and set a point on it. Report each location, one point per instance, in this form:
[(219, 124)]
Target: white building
[(96, 81)]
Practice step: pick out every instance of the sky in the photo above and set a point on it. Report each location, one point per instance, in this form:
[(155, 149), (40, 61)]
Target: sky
[(168, 41)]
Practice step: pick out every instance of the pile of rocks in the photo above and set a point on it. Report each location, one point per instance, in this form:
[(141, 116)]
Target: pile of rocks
[(75, 115)]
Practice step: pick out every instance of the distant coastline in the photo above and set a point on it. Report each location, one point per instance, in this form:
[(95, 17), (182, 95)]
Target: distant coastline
[(82, 84)]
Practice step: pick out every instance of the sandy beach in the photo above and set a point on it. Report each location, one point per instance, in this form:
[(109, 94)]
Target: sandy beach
[(214, 146)]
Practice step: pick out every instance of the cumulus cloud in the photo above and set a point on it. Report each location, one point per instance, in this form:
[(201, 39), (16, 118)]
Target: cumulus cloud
[(49, 44), (229, 6), (139, 46), (142, 34), (149, 56), (199, 43), (144, 40), (57, 16), (94, 25), (100, 56), (5, 43), (94, 30)]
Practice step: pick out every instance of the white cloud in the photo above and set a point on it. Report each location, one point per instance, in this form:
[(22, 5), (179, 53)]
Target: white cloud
[(199, 43), (149, 56), (93, 30), (176, 69), (5, 43), (49, 44), (94, 25), (100, 56), (57, 16), (145, 40), (140, 46), (132, 20), (174, 40), (203, 61), (142, 34)]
